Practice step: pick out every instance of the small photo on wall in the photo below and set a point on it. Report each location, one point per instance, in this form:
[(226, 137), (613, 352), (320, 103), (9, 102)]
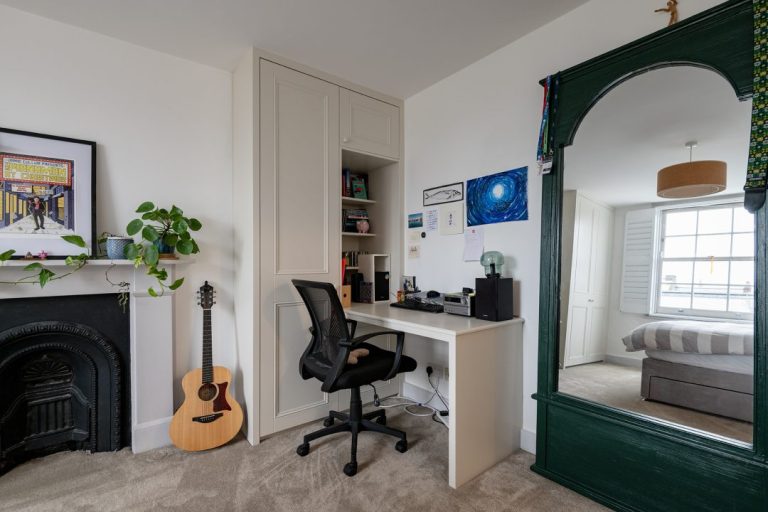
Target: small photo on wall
[(415, 220), (500, 197)]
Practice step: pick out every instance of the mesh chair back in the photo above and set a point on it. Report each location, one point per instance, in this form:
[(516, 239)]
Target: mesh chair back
[(329, 324)]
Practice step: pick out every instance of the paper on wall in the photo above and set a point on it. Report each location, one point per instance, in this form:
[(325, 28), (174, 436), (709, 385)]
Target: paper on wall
[(451, 218), (414, 251), (474, 240), (431, 219), (414, 236)]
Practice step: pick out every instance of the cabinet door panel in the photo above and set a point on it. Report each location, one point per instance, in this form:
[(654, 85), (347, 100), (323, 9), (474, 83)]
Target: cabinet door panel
[(369, 125), (299, 219)]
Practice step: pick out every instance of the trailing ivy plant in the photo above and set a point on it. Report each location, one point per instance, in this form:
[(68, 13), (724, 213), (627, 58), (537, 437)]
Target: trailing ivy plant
[(161, 228), (42, 275)]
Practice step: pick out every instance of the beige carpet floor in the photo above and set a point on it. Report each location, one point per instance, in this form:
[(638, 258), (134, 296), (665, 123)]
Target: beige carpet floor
[(271, 477), (619, 386)]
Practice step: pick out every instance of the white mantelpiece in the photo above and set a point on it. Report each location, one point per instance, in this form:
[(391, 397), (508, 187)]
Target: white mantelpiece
[(151, 335)]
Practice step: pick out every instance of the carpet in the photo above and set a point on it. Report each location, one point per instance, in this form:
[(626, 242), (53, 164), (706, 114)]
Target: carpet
[(271, 477)]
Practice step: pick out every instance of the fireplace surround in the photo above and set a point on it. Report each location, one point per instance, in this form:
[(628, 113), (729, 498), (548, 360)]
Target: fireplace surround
[(146, 356)]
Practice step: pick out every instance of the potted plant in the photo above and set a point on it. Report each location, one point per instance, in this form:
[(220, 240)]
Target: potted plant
[(163, 232)]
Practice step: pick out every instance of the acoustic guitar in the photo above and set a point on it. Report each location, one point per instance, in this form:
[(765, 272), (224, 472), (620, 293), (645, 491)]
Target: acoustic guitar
[(209, 416)]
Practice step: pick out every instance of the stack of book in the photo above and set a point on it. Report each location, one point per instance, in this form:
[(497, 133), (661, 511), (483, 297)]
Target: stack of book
[(354, 185), (350, 217)]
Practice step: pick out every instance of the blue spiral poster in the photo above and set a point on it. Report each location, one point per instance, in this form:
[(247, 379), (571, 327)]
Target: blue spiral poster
[(500, 197)]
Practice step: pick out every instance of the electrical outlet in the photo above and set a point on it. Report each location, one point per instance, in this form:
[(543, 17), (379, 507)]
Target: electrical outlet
[(437, 371), (445, 374)]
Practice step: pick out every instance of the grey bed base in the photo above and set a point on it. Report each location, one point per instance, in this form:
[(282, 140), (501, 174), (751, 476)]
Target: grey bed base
[(712, 391)]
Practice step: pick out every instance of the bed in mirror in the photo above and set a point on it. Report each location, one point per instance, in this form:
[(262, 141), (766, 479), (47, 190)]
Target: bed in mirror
[(657, 294)]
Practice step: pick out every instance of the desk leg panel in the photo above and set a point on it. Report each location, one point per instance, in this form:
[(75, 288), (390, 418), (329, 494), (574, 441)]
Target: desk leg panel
[(486, 399)]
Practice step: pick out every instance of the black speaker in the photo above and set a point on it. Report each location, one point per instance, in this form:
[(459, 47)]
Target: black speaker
[(382, 286), (493, 298), (356, 280)]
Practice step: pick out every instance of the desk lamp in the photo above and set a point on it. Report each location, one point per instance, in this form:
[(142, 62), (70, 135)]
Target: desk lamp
[(492, 261)]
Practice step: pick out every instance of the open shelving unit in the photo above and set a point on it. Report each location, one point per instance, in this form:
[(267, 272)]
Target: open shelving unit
[(383, 243)]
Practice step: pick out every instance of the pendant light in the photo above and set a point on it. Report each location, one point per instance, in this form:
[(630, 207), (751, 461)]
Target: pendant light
[(691, 179)]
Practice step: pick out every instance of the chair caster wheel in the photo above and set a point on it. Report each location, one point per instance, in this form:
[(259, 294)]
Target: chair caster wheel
[(328, 422), (402, 446), (350, 469), (303, 449), (381, 420)]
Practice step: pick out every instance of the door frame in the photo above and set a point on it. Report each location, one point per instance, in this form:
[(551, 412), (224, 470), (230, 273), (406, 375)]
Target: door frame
[(623, 459)]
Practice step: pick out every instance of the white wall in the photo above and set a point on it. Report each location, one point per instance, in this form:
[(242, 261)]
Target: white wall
[(484, 119), (164, 131)]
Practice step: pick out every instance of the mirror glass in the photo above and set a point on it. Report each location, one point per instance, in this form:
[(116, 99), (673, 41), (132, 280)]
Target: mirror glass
[(657, 294)]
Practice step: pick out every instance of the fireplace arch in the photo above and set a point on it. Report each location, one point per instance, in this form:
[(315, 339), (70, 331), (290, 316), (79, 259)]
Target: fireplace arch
[(61, 388)]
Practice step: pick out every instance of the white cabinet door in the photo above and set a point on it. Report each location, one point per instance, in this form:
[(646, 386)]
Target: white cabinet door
[(299, 232), (369, 125)]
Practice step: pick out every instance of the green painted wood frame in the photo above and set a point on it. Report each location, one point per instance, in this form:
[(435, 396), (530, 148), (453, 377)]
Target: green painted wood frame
[(625, 460)]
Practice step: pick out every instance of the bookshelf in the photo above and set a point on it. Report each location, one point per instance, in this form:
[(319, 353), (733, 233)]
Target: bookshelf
[(381, 247)]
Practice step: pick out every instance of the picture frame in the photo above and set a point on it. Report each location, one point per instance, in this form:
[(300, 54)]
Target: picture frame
[(47, 190), (444, 194)]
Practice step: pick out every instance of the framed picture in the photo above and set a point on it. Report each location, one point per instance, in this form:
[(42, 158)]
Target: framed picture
[(444, 194), (47, 190), (500, 197)]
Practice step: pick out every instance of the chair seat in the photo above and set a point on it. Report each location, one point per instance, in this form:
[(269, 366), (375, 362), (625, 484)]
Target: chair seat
[(375, 366)]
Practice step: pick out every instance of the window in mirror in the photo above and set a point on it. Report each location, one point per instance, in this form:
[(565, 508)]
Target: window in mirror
[(706, 262)]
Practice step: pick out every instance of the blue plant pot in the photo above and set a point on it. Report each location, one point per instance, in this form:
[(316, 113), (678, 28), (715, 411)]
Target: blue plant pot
[(116, 247), (166, 251)]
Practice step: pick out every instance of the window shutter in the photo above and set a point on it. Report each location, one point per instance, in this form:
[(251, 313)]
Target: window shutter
[(637, 269)]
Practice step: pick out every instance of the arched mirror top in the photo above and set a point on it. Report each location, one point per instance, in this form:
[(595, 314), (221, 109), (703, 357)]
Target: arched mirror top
[(723, 51)]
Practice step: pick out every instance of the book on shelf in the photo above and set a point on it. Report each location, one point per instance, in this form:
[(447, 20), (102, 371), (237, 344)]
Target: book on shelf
[(350, 216), (354, 185)]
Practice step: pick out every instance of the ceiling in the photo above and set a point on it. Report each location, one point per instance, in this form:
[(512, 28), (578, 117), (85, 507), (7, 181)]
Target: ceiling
[(643, 125), (397, 47)]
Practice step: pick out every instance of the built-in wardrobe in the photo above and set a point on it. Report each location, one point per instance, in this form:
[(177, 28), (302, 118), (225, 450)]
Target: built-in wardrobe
[(295, 129)]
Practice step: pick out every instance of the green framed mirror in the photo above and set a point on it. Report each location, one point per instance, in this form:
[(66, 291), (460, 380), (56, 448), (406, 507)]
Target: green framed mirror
[(625, 458)]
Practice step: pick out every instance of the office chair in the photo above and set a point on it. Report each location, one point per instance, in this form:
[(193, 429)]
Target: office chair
[(325, 358)]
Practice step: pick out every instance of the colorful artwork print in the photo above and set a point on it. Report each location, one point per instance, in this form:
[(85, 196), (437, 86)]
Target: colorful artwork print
[(501, 197), (36, 195)]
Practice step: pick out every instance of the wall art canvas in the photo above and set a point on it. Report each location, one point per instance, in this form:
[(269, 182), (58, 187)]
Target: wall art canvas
[(444, 194), (451, 219), (500, 197), (46, 192)]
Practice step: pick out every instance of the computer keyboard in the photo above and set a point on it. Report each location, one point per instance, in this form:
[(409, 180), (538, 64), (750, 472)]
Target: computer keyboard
[(418, 306)]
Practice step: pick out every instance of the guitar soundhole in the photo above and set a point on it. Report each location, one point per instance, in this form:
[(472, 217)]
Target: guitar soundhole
[(207, 392)]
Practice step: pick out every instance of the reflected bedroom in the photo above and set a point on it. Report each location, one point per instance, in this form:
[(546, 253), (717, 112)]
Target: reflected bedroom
[(658, 275)]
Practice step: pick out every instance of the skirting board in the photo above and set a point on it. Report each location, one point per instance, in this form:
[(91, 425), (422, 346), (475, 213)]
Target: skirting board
[(528, 441), (624, 361), (150, 435), (420, 394)]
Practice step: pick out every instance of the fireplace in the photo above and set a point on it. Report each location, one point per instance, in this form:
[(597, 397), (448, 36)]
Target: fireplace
[(64, 376)]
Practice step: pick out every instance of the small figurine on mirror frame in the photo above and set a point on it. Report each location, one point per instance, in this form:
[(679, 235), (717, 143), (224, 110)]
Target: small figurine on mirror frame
[(672, 10)]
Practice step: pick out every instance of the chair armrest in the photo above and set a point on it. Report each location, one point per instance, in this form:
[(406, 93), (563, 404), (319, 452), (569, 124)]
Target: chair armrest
[(353, 325), (398, 350)]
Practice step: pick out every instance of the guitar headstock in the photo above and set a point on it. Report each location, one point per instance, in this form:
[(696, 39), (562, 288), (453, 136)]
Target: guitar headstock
[(205, 296)]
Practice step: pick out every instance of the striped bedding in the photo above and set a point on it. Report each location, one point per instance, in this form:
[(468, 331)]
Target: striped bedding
[(692, 337)]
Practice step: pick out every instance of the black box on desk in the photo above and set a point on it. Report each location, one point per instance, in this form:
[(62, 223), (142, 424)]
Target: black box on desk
[(493, 298)]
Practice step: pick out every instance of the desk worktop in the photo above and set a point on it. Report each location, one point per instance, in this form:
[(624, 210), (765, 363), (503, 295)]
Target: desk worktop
[(442, 326)]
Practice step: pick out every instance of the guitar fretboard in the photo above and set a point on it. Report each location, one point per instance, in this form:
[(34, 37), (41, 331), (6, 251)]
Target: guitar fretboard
[(207, 348)]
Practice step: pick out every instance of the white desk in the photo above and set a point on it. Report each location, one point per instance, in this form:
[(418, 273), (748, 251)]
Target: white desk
[(485, 363)]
